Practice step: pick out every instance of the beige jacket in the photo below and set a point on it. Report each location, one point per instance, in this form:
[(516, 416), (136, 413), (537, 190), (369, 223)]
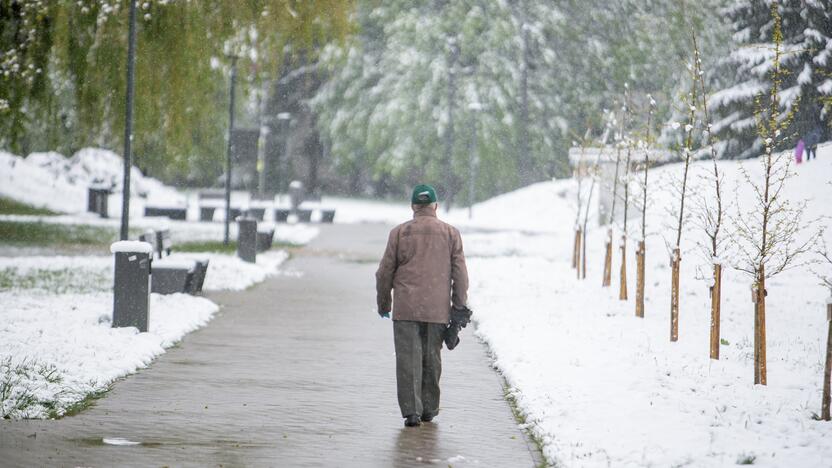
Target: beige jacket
[(423, 263)]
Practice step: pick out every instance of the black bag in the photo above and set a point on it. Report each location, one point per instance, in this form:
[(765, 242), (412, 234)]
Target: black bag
[(459, 320)]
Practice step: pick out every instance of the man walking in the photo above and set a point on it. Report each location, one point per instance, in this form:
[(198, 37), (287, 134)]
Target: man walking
[(425, 267)]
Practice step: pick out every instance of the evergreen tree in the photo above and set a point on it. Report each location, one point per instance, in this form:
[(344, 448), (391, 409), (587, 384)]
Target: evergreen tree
[(806, 71)]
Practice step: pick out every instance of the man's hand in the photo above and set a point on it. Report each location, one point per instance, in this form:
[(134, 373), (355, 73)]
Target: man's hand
[(383, 314)]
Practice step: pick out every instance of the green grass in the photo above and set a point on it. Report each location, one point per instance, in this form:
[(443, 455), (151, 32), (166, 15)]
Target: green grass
[(218, 246), (206, 246), (38, 233), (80, 405), (11, 207), (57, 281)]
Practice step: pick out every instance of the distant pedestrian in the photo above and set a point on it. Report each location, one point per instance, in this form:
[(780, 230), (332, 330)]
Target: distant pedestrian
[(798, 151), (424, 266), (811, 140)]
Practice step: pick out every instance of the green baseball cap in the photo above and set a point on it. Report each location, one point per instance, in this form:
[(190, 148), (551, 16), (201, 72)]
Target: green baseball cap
[(423, 194)]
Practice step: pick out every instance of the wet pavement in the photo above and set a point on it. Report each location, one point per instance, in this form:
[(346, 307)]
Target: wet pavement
[(297, 371)]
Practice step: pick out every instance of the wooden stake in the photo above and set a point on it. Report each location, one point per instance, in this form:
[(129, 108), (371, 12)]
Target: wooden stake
[(827, 372), (716, 292), (640, 251), (759, 295), (622, 290), (576, 248), (674, 295), (583, 254), (578, 238), (608, 261)]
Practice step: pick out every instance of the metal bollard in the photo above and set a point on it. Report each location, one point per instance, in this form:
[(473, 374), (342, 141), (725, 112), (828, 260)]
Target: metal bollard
[(247, 239), (131, 292)]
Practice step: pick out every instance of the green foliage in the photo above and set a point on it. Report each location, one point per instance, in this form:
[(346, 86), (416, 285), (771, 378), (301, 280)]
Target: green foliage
[(542, 71), (62, 72)]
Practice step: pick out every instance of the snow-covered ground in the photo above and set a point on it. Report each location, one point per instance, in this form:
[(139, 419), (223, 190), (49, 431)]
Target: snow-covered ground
[(57, 345), (600, 387)]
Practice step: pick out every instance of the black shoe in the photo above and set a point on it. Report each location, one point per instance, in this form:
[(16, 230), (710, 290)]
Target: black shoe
[(428, 417), (412, 421)]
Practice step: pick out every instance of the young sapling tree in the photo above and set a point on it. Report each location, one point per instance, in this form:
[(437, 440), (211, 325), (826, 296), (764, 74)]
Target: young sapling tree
[(676, 256), (622, 289), (578, 173), (617, 138), (826, 281), (771, 236), (641, 250), (710, 210)]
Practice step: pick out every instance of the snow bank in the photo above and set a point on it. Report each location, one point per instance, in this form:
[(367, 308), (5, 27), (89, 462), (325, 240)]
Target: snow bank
[(73, 333), (600, 387), (49, 180)]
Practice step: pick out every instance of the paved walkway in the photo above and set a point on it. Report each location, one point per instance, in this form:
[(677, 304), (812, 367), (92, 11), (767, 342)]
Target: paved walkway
[(297, 371)]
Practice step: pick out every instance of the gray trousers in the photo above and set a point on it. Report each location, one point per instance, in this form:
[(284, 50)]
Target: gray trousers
[(418, 366)]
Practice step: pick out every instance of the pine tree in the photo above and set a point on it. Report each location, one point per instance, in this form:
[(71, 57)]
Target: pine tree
[(806, 63)]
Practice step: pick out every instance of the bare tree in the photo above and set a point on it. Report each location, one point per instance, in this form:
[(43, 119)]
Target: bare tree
[(593, 174), (710, 210), (770, 237), (622, 290), (617, 138), (641, 250), (578, 174)]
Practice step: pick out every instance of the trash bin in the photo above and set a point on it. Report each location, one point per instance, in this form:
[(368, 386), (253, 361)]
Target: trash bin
[(247, 239), (131, 291)]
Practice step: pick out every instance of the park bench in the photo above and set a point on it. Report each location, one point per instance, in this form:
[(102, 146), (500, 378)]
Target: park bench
[(215, 201), (172, 213), (97, 197), (281, 215), (265, 238)]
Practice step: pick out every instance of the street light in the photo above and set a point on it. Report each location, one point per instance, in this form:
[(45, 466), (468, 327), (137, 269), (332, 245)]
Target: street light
[(230, 147), (285, 119), (128, 123)]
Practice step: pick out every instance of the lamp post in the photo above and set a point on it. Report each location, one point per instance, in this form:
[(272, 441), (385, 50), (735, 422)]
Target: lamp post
[(285, 119), (230, 147), (128, 123)]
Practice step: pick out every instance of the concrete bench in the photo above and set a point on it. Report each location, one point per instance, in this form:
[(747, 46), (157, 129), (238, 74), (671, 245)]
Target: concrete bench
[(97, 200), (304, 215), (327, 216), (172, 213), (171, 274), (281, 215), (265, 239)]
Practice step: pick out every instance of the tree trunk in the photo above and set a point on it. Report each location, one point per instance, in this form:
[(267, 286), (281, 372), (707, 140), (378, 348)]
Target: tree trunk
[(674, 295), (827, 370), (760, 371), (607, 261), (622, 290), (716, 292), (640, 251)]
